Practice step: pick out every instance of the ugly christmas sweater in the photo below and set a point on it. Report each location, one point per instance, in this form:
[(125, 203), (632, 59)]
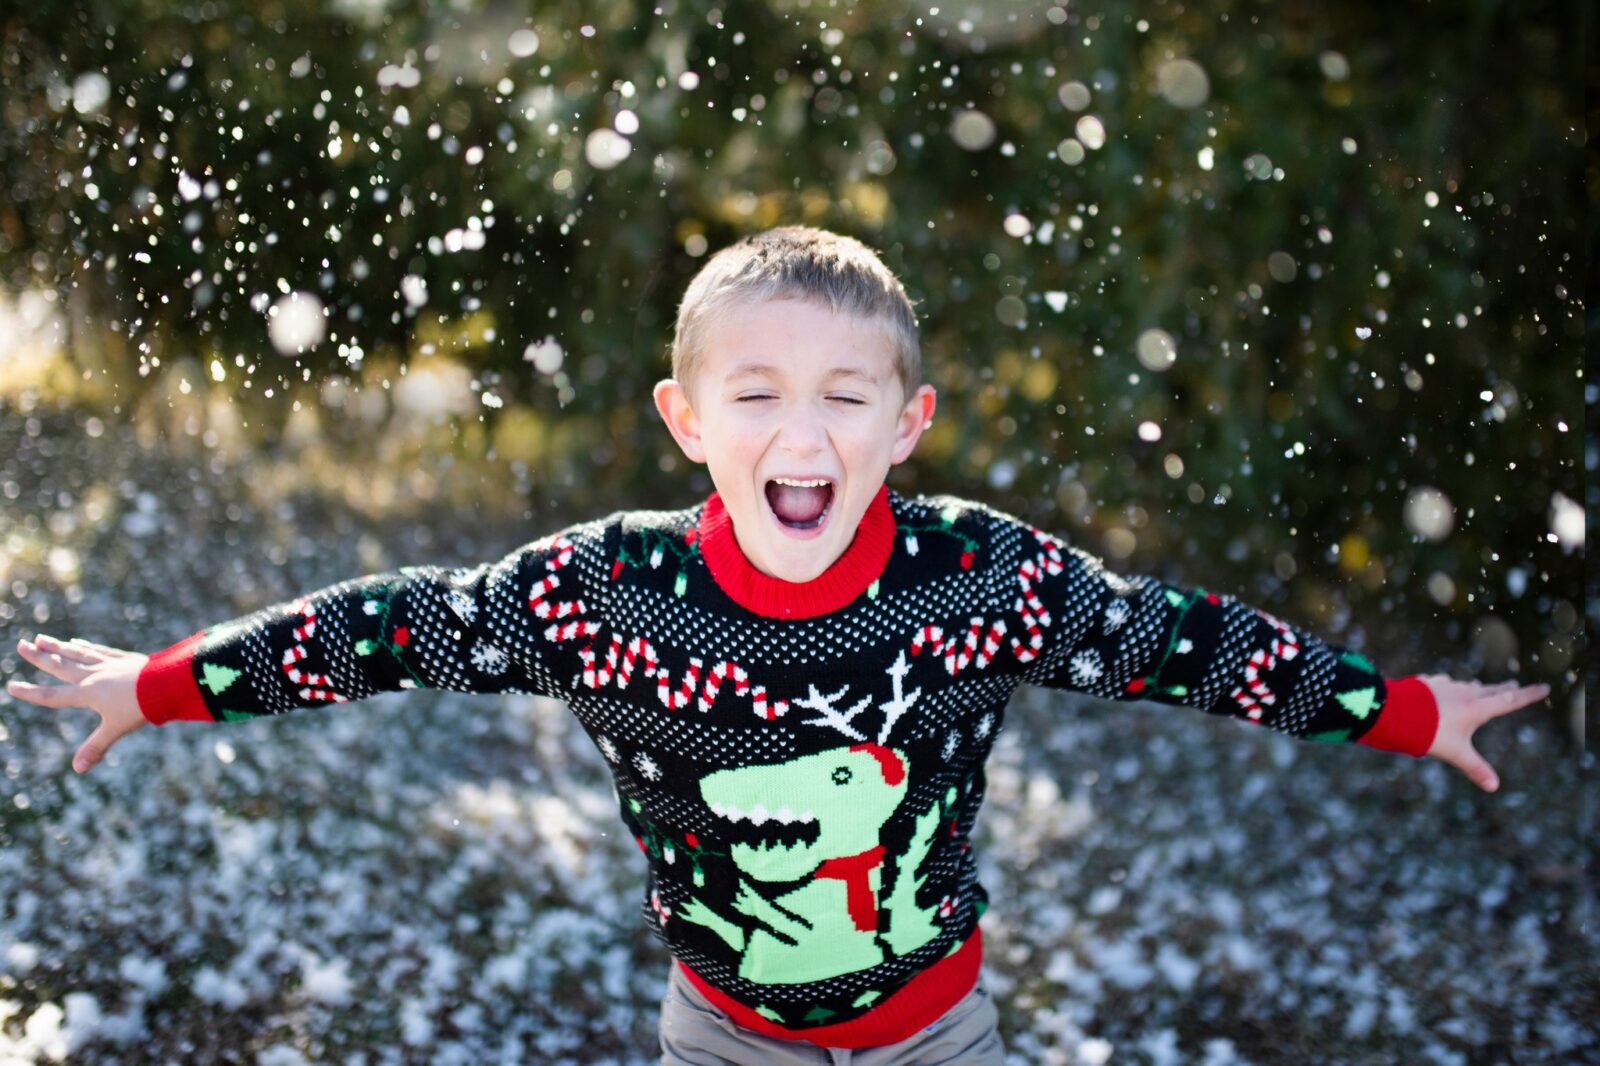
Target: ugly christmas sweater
[(801, 763)]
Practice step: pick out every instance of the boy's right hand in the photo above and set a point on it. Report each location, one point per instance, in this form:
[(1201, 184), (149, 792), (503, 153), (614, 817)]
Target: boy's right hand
[(103, 679)]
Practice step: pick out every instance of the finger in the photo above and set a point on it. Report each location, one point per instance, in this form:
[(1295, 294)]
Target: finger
[(44, 695), (93, 749), (50, 662), (1505, 702), (100, 648), (1478, 770), (65, 650)]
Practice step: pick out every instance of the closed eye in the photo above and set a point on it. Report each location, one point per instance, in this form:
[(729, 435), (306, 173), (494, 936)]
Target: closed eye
[(748, 399), (848, 399)]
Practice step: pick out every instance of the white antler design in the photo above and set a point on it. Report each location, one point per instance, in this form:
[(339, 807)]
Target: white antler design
[(901, 702), (831, 716)]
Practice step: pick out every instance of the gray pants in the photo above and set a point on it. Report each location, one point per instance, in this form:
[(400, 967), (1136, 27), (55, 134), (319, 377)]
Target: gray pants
[(696, 1033)]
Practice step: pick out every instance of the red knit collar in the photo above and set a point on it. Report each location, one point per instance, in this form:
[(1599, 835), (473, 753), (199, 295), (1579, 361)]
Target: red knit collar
[(861, 564)]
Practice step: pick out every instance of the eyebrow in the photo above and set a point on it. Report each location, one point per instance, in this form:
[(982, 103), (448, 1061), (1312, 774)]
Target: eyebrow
[(767, 370)]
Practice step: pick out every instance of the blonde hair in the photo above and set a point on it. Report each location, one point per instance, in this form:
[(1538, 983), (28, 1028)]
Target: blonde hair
[(797, 263)]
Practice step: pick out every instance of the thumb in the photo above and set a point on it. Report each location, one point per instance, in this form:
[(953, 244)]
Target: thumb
[(1478, 770), (93, 749)]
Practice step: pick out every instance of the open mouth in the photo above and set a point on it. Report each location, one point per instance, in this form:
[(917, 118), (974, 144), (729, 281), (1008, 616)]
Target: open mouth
[(761, 828), (800, 503)]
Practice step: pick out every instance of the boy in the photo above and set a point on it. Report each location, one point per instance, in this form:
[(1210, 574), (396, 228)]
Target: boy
[(795, 684)]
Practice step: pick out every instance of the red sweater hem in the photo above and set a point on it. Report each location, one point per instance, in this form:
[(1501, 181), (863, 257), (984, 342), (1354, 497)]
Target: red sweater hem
[(1408, 721), (167, 690), (923, 1001)]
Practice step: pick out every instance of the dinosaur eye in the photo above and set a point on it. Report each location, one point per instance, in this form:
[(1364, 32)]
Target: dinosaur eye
[(841, 776)]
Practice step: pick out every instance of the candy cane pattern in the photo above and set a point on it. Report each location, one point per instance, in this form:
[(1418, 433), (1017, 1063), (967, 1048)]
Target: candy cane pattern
[(765, 709), (543, 608), (1285, 646), (536, 596), (960, 653), (623, 654), (678, 700), (571, 631), (1035, 619), (741, 686), (927, 635), (314, 683), (599, 675)]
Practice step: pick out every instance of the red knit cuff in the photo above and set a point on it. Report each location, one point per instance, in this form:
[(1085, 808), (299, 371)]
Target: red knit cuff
[(167, 690), (1409, 719)]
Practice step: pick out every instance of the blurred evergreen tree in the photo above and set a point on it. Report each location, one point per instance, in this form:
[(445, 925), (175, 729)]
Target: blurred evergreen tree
[(1229, 279)]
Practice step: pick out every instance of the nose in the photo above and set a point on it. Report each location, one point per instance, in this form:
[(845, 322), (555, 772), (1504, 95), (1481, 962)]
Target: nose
[(802, 434)]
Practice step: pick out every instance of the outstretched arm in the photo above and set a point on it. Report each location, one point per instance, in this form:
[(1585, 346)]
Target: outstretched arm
[(522, 624), (1129, 638)]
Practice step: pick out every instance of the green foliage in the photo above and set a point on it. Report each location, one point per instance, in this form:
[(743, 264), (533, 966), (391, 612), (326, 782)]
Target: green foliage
[(1359, 246)]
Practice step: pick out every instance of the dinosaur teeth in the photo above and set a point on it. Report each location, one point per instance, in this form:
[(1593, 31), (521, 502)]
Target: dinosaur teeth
[(759, 815), (768, 830)]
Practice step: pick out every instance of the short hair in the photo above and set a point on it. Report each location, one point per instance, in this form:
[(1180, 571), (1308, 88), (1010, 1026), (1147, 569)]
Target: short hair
[(797, 263)]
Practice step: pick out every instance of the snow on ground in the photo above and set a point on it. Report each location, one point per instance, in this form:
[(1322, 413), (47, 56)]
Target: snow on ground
[(440, 878)]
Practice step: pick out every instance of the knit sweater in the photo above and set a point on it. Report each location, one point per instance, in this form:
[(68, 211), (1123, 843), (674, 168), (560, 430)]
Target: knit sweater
[(800, 763)]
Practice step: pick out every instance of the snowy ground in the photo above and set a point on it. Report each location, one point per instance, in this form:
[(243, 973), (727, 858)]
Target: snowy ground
[(442, 878)]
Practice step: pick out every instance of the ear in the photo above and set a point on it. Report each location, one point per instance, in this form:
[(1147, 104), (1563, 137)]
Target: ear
[(673, 403), (914, 418)]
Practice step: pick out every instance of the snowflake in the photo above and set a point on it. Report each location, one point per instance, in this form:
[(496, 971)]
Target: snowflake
[(1086, 668), (985, 724), (608, 749), (462, 604), (1117, 612), (951, 742), (489, 659), (647, 766)]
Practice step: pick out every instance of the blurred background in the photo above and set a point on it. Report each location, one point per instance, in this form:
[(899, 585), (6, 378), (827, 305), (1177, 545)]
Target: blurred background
[(1283, 299), (1287, 286)]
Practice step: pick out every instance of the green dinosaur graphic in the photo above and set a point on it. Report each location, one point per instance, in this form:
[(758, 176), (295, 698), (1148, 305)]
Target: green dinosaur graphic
[(806, 841)]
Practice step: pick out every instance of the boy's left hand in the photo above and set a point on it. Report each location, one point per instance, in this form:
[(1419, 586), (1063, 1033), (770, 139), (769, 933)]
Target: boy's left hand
[(1463, 707)]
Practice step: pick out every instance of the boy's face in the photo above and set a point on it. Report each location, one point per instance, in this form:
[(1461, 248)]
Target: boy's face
[(788, 394)]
